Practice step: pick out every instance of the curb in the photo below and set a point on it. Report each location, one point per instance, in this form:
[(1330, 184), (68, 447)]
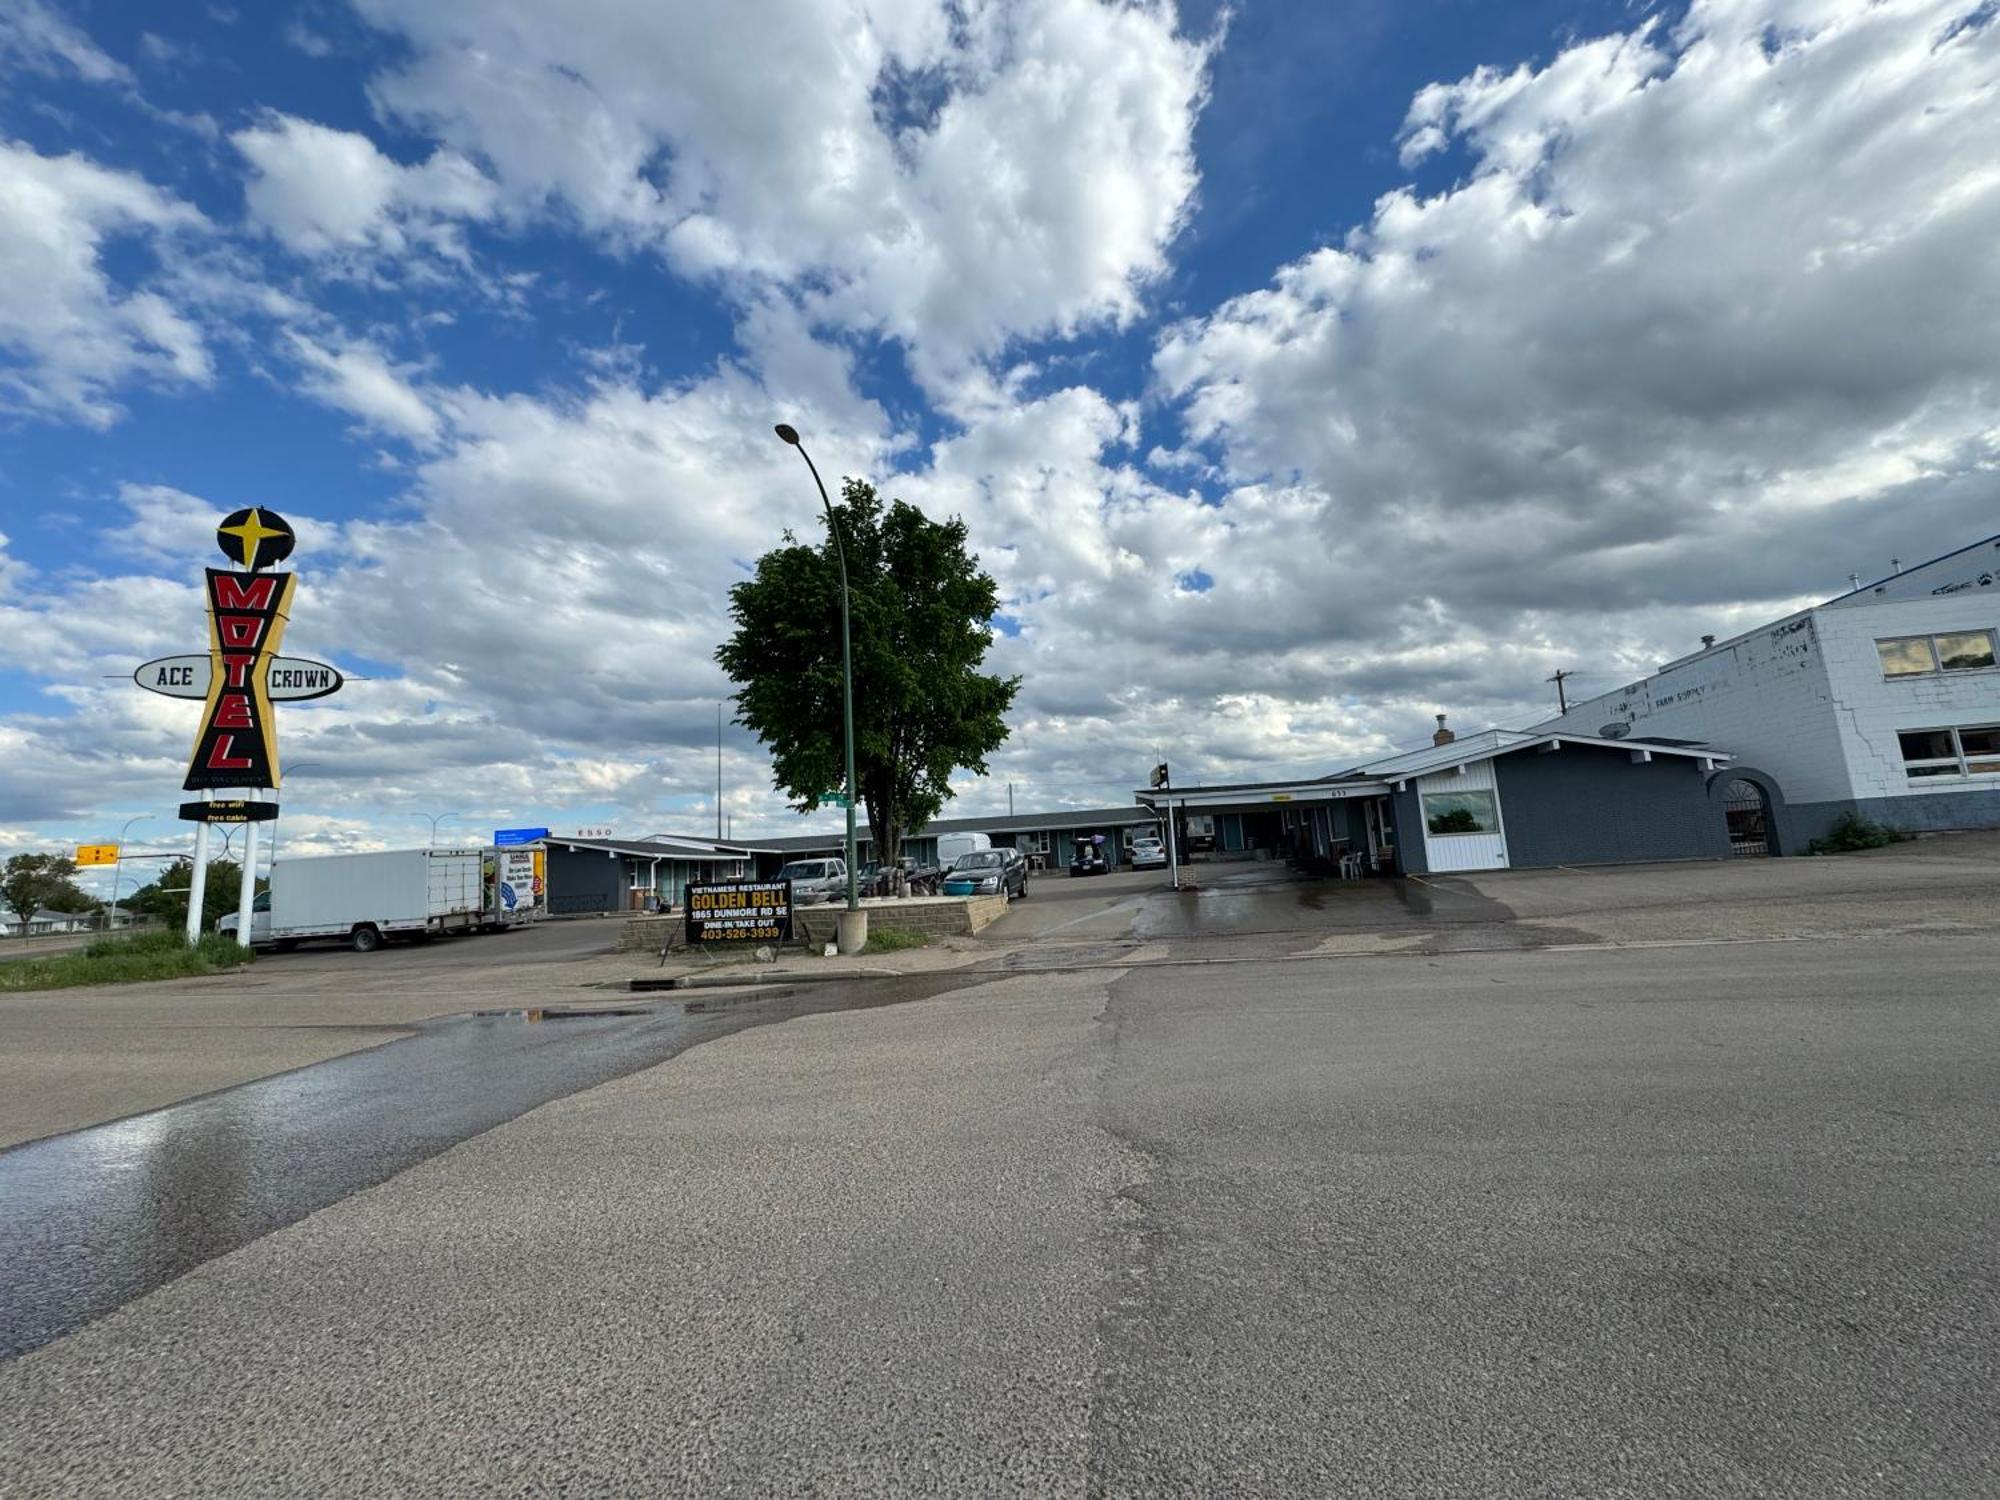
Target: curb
[(751, 981)]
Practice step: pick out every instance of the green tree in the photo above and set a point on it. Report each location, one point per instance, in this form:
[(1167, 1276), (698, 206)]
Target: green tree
[(165, 899), (922, 708), (29, 882)]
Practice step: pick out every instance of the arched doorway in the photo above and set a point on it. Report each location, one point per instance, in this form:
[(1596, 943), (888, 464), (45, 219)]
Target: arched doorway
[(1748, 811)]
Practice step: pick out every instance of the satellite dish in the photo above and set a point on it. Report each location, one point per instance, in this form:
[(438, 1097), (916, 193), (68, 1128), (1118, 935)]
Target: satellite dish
[(1615, 731)]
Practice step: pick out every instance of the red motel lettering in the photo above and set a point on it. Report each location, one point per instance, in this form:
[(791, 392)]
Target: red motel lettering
[(235, 592), (223, 757), (232, 711), (239, 631)]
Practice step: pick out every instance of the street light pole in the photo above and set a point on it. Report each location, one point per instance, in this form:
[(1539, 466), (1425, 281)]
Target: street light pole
[(292, 770), (790, 435), (435, 819), (118, 867)]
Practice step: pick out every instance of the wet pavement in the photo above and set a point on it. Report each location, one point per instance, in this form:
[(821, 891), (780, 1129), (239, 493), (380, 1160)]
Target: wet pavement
[(98, 1217)]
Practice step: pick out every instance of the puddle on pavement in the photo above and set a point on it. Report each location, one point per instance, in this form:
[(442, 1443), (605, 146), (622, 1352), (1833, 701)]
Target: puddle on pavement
[(94, 1218)]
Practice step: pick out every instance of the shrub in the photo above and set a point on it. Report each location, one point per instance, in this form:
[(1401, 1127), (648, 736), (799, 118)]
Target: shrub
[(893, 939), (1851, 831)]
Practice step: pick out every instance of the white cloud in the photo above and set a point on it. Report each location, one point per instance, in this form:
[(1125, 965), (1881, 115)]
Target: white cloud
[(359, 379), (954, 176), (35, 37), (325, 191), (71, 333), (1707, 323)]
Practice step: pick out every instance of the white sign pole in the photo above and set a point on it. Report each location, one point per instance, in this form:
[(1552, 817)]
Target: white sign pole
[(249, 892), (198, 886)]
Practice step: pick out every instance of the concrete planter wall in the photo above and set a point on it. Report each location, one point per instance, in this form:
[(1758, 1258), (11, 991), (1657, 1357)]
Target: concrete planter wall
[(940, 916)]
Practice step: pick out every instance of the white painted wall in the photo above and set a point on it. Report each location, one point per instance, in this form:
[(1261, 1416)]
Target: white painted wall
[(1873, 708), (1463, 851), (1805, 698), (1763, 697)]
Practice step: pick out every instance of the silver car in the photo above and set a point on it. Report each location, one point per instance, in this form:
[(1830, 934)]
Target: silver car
[(1148, 854), (816, 880)]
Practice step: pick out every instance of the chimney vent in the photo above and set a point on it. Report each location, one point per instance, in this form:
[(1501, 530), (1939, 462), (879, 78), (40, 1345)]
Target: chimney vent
[(1707, 641), (1443, 736)]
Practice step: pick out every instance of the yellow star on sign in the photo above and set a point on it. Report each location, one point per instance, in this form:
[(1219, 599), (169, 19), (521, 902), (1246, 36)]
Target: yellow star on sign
[(251, 533)]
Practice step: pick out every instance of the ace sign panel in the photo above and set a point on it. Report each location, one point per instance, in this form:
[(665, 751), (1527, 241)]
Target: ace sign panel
[(740, 911)]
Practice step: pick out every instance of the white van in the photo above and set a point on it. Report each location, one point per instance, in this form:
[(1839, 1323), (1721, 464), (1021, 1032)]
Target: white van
[(951, 845)]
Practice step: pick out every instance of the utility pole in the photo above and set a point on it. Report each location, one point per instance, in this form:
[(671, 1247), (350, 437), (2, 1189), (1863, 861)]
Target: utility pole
[(1562, 698), (1162, 782), (718, 771), (1010, 799)]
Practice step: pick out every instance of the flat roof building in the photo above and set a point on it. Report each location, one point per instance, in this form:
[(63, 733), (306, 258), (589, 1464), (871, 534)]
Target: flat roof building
[(1884, 702)]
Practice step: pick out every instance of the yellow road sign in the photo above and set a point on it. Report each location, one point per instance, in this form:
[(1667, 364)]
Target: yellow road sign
[(96, 854)]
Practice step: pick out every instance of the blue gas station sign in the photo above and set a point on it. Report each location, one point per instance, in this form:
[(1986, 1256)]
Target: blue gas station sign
[(519, 835)]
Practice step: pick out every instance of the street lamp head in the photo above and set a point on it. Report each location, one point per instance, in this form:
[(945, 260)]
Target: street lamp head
[(788, 432)]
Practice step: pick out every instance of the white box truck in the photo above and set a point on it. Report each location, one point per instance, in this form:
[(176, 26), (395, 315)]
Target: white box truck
[(366, 899), (951, 845)]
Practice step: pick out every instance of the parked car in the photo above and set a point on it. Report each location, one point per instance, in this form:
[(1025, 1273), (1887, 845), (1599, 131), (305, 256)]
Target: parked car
[(1088, 860), (1148, 854), (923, 879), (988, 872), (816, 880)]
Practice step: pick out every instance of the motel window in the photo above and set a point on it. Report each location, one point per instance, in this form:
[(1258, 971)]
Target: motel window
[(1922, 655), (1973, 750), (1034, 843), (1461, 812)]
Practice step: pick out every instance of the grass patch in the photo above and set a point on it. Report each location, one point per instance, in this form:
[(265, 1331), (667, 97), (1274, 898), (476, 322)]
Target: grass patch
[(1850, 832), (895, 939), (125, 960)]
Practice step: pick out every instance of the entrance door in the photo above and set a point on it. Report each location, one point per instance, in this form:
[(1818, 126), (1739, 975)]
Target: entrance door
[(1749, 813)]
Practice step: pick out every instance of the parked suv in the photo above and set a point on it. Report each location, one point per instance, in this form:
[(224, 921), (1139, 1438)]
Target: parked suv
[(815, 880), (988, 872)]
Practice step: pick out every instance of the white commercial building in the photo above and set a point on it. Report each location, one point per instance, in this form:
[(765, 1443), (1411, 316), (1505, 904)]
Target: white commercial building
[(1883, 702)]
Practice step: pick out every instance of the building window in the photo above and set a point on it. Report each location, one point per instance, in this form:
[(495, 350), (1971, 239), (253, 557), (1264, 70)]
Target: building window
[(1034, 843), (1970, 751), (1922, 655), (1461, 812)]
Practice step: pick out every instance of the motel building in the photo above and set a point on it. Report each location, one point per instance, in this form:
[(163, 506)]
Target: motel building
[(1049, 839), (588, 875), (1501, 799), (604, 875), (1883, 702)]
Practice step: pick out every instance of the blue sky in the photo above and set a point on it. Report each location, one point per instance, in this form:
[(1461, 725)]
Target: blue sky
[(1302, 369)]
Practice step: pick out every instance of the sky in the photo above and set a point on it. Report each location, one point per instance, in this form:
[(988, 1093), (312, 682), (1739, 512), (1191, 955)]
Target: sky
[(1301, 370)]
